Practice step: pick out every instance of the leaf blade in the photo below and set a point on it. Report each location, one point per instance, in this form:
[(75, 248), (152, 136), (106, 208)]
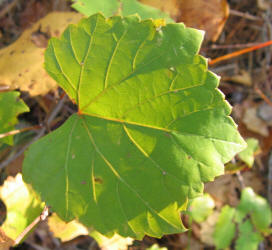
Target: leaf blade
[(158, 117), (10, 107)]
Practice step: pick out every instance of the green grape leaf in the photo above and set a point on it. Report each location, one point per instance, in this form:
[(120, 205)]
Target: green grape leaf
[(22, 204), (247, 155), (10, 107), (225, 228), (247, 239), (257, 207), (201, 207), (121, 7), (151, 126)]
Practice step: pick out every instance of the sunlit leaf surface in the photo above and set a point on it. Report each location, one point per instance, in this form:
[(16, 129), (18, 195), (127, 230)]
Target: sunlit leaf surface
[(151, 126)]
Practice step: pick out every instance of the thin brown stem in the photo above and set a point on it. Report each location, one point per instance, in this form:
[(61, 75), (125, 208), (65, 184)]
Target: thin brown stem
[(239, 52), (245, 15), (34, 223), (265, 98), (17, 131), (240, 179)]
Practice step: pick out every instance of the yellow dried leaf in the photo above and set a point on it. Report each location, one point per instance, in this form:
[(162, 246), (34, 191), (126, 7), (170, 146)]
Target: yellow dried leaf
[(254, 123), (22, 205), (66, 231), (21, 63), (116, 242), (207, 228)]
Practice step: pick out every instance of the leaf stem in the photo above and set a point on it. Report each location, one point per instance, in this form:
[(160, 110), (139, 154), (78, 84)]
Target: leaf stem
[(34, 223), (17, 131)]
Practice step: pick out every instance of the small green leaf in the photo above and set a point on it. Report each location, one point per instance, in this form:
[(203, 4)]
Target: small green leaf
[(247, 155), (121, 7), (151, 127), (10, 107), (257, 207), (247, 239), (201, 207), (225, 228), (22, 206)]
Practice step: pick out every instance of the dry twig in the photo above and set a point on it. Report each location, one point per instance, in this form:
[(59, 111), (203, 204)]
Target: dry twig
[(40, 218)]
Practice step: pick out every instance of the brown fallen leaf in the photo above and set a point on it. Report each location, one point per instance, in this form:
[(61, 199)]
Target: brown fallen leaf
[(254, 123), (243, 78), (264, 4), (5, 241), (223, 190), (201, 14), (207, 228), (264, 112), (21, 63), (186, 241)]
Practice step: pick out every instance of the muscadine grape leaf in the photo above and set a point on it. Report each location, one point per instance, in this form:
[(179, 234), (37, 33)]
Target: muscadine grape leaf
[(151, 126), (224, 231), (248, 239), (10, 107), (247, 155), (257, 207), (121, 7), (201, 207)]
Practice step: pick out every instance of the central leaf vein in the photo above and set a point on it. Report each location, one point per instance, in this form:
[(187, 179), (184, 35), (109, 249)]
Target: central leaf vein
[(84, 60), (66, 168)]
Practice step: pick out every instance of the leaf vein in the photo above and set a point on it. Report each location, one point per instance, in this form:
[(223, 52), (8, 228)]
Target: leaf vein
[(152, 98), (122, 208), (137, 145), (111, 59), (119, 82), (72, 46), (65, 76), (84, 60), (115, 172), (66, 168)]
